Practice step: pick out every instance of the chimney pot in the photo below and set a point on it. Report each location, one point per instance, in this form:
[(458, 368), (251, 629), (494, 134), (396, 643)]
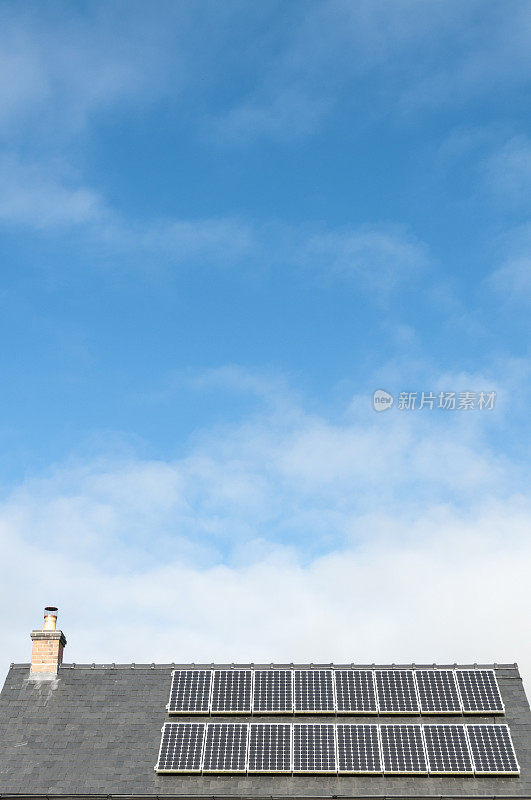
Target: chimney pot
[(50, 618)]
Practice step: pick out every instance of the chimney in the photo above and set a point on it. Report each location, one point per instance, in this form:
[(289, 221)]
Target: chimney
[(48, 644)]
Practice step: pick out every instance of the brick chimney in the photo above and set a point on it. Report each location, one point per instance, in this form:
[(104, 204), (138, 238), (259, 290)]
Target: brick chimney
[(48, 644)]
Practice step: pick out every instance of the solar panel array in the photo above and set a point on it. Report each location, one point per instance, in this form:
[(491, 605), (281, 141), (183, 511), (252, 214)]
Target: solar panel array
[(342, 691), (238, 747)]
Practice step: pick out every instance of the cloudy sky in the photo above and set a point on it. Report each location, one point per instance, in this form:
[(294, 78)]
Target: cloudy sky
[(222, 228)]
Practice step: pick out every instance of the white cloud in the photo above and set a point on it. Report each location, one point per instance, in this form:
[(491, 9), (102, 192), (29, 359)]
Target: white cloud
[(289, 536), (381, 258), (508, 171), (468, 56), (455, 590), (58, 70), (417, 57), (180, 241), (513, 280), (45, 198), (48, 197), (284, 115)]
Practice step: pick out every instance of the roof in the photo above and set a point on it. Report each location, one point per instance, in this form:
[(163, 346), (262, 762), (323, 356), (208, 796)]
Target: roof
[(94, 730)]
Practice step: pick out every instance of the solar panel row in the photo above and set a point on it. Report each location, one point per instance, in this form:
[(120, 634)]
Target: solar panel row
[(284, 691), (239, 747)]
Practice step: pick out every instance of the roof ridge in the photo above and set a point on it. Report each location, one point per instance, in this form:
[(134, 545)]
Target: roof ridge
[(291, 665)]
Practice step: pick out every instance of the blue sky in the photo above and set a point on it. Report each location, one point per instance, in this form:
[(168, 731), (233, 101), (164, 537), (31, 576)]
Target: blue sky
[(222, 227)]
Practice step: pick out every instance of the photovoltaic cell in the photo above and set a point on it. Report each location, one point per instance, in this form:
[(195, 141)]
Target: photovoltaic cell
[(396, 691), (403, 750), (314, 748), (492, 750), (355, 691), (226, 747), (479, 691), (447, 750), (231, 691), (437, 691), (314, 690), (269, 748), (190, 691), (358, 751), (181, 747), (273, 691)]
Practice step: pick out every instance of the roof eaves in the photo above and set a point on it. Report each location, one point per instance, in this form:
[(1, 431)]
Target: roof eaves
[(187, 796)]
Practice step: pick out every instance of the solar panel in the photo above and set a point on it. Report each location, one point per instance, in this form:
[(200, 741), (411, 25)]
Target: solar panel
[(314, 691), (403, 750), (479, 691), (190, 691), (437, 691), (226, 747), (492, 750), (447, 750), (358, 750), (355, 691), (231, 691), (273, 693), (181, 747), (269, 747), (396, 691), (314, 748)]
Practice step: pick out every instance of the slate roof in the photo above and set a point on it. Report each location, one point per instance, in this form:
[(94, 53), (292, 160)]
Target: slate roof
[(94, 731)]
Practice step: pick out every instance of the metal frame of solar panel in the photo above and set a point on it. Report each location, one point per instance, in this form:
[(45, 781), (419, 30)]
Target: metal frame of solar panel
[(358, 750), (181, 747), (403, 750), (314, 691), (437, 691), (314, 749), (479, 691), (190, 691), (273, 691), (396, 691), (270, 748), (227, 701), (225, 747), (492, 750), (447, 750), (355, 691)]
